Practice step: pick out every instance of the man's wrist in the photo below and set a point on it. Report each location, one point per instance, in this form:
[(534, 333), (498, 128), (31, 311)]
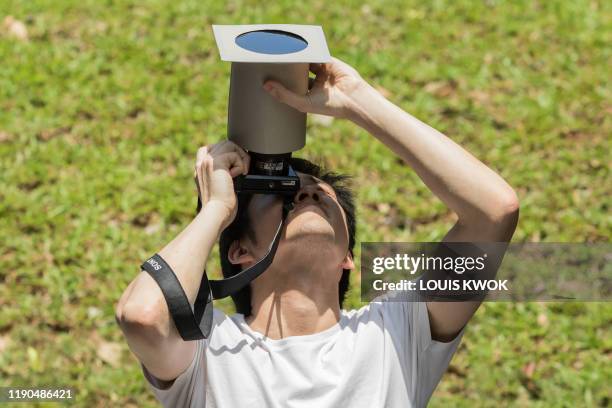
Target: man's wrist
[(216, 212), (362, 102)]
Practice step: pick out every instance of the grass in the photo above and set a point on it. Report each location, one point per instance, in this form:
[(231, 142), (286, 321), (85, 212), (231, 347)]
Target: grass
[(103, 109)]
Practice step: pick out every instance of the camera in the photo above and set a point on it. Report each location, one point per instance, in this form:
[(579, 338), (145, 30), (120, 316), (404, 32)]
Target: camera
[(267, 129)]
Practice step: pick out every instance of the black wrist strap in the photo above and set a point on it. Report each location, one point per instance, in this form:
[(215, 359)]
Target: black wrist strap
[(195, 322)]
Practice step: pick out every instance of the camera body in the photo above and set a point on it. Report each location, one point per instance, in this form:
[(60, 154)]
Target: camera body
[(268, 174)]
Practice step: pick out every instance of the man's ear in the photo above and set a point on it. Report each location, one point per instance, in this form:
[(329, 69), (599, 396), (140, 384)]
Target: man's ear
[(238, 254), (347, 262)]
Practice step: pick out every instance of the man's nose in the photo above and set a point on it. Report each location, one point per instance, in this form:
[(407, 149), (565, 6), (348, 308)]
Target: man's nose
[(308, 192)]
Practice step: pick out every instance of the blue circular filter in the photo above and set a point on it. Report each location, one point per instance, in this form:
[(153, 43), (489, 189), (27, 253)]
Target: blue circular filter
[(271, 42)]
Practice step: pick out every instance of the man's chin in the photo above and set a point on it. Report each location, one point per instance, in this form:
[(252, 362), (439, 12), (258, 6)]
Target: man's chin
[(313, 228)]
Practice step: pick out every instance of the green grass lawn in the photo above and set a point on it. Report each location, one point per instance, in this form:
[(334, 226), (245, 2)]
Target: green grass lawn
[(102, 110)]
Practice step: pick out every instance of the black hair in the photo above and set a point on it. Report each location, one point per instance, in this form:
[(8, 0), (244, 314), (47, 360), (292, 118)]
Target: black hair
[(241, 226)]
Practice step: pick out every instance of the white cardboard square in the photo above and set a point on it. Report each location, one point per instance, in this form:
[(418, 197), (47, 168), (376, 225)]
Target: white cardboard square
[(315, 52)]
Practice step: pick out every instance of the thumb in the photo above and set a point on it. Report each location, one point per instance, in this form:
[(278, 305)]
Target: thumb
[(282, 94)]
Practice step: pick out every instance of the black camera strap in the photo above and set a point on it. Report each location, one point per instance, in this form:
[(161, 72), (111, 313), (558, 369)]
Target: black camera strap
[(195, 322)]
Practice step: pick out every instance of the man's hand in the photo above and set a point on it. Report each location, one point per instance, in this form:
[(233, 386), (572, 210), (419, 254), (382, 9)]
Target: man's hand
[(216, 166), (331, 92)]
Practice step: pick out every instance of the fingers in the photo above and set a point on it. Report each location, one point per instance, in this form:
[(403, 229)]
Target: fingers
[(234, 160), (282, 94), (228, 146), (317, 68), (200, 172), (197, 171), (231, 161), (246, 159), (208, 164), (223, 147)]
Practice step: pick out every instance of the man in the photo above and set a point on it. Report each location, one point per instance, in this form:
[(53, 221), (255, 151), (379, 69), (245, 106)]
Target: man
[(292, 345)]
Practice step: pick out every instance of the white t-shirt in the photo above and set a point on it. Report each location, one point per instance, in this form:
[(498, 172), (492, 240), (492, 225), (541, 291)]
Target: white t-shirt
[(380, 355)]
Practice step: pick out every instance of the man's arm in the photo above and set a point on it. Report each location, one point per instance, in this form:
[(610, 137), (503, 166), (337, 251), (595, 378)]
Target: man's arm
[(142, 312), (486, 206)]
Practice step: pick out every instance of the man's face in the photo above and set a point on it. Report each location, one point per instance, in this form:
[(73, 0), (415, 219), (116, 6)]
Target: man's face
[(317, 223)]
